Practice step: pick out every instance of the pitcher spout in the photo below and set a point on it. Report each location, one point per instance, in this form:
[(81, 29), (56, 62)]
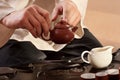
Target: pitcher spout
[(109, 48)]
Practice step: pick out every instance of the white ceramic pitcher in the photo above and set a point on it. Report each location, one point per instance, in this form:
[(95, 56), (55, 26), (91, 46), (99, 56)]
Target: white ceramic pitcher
[(99, 57)]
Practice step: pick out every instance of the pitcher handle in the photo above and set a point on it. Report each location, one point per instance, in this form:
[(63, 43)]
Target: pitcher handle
[(82, 56)]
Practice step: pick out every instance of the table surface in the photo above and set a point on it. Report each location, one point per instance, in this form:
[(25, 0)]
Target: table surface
[(66, 74)]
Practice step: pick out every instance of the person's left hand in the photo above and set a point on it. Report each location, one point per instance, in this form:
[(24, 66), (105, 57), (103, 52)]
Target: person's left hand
[(68, 10)]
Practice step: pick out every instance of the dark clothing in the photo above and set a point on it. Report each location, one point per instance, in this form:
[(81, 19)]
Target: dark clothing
[(19, 53), (15, 53)]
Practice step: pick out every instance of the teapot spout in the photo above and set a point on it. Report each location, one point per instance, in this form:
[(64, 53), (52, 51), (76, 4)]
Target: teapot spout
[(74, 29)]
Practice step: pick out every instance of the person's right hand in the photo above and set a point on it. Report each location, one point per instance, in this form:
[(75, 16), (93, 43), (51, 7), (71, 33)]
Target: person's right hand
[(68, 10), (33, 18)]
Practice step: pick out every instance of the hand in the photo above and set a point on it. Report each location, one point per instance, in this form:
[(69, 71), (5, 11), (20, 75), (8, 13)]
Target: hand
[(33, 18), (68, 10)]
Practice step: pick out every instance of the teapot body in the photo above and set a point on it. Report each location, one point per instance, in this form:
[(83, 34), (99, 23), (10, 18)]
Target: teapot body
[(62, 33), (61, 36)]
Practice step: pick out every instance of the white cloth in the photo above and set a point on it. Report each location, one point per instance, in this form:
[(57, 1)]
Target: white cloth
[(7, 6)]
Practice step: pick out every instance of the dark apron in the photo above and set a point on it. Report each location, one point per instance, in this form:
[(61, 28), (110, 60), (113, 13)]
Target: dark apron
[(16, 53)]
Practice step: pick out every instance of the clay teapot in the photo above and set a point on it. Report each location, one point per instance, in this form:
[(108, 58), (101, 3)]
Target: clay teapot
[(62, 33)]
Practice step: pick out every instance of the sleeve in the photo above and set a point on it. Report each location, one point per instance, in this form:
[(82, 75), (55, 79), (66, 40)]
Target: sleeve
[(82, 6), (5, 9)]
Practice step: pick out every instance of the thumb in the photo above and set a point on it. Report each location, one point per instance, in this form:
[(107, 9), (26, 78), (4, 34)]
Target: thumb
[(54, 14), (64, 15)]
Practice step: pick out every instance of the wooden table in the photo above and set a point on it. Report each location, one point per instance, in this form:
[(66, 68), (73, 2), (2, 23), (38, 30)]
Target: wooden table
[(59, 74)]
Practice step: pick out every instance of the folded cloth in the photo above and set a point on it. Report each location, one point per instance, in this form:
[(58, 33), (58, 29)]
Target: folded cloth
[(15, 53), (75, 47)]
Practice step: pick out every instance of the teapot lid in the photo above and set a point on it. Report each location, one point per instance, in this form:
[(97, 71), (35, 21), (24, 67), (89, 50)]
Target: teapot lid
[(62, 25)]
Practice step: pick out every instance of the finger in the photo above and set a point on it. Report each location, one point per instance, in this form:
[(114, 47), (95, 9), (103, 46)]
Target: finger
[(65, 12), (35, 20), (29, 27), (44, 26), (74, 19), (72, 16), (44, 13), (36, 24), (55, 14), (40, 21), (68, 12)]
